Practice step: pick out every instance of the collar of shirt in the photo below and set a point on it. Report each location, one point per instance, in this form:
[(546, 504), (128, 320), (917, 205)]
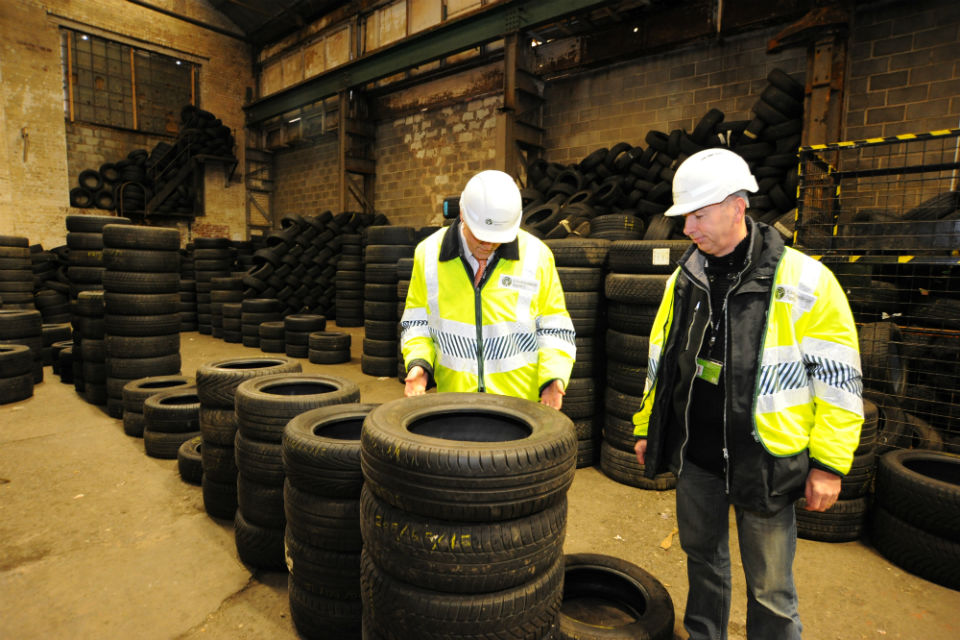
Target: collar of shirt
[(465, 252)]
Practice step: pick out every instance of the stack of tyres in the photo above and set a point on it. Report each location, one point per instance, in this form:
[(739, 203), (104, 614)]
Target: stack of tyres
[(65, 362), (85, 273), (136, 392), (217, 384), (321, 461), (264, 406), (328, 347), (232, 323), (89, 330), (55, 350), (462, 533), (253, 313), (846, 519), (349, 282), (85, 257), (404, 271), (639, 270), (16, 375), (385, 246), (170, 418), (25, 327), (188, 291), (580, 265), (141, 301), (51, 287), (50, 334), (212, 258), (297, 328), (16, 273), (223, 289)]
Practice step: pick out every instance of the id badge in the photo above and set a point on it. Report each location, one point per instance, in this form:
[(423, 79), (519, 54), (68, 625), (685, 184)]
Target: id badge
[(709, 370)]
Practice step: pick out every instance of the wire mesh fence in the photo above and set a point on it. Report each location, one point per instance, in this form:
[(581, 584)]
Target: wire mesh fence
[(884, 215)]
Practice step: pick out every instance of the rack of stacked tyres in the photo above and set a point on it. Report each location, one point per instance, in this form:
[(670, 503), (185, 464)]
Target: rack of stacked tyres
[(212, 258), (629, 187), (580, 265), (637, 277), (884, 215), (385, 245), (85, 273), (141, 301)]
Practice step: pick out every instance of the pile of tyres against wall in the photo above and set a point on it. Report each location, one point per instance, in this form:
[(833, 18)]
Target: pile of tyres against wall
[(561, 200), (463, 514)]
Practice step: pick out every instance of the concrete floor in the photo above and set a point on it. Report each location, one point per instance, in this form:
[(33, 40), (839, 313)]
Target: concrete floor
[(97, 540)]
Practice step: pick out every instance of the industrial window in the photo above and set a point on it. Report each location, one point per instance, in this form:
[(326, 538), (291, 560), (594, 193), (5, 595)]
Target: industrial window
[(118, 85)]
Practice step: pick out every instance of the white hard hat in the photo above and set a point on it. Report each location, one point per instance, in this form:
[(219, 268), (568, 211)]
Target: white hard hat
[(707, 177), (491, 207)]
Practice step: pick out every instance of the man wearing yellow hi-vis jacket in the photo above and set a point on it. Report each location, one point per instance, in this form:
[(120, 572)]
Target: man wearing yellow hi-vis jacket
[(753, 397), (485, 310)]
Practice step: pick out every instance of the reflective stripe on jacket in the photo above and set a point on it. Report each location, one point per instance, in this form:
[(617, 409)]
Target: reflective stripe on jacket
[(806, 395), (510, 336)]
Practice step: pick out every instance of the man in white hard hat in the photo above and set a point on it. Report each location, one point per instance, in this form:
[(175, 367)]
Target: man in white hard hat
[(753, 397), (485, 310)]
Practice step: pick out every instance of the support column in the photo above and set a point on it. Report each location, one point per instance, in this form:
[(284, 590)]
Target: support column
[(356, 140)]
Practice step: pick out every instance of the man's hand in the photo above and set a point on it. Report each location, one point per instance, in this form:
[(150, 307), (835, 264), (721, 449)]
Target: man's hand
[(552, 395), (415, 384), (822, 490), (640, 448)]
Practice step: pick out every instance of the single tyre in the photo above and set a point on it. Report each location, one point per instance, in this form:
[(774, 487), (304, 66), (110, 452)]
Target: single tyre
[(607, 598)]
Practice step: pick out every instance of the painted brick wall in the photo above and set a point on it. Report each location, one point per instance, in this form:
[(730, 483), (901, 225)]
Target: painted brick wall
[(306, 179), (425, 157), (660, 92), (904, 71), (34, 170)]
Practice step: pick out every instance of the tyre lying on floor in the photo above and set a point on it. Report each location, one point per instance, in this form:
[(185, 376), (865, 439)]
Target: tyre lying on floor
[(463, 514), (606, 598)]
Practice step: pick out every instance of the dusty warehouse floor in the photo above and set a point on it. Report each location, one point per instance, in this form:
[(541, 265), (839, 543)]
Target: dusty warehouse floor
[(99, 541)]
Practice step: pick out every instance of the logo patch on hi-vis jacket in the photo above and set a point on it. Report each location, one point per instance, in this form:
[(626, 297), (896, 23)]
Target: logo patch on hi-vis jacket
[(518, 284), (792, 295)]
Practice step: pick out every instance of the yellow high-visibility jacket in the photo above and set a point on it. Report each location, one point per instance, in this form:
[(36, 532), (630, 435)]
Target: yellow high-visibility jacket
[(791, 376), (512, 335)]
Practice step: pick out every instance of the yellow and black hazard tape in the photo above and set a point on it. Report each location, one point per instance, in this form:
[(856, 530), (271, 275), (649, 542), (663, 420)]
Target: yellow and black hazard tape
[(903, 137), (952, 259)]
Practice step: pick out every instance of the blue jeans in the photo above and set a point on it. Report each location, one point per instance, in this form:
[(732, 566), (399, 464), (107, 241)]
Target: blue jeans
[(767, 547)]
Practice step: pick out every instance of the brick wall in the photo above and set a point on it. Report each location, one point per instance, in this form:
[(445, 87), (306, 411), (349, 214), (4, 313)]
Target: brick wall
[(427, 156), (306, 179), (660, 92), (35, 173), (904, 69), (89, 146)]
